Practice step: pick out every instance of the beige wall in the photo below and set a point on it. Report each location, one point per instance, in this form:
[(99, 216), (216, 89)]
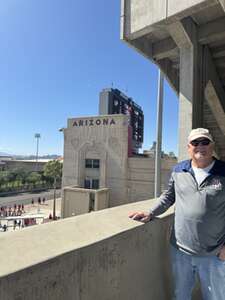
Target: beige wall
[(101, 199), (142, 176), (77, 201), (107, 142)]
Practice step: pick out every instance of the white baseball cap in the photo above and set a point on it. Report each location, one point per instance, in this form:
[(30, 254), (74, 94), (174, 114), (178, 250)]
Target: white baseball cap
[(199, 133)]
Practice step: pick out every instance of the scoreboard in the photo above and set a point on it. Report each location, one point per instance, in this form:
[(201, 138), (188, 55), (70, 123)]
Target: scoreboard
[(113, 101)]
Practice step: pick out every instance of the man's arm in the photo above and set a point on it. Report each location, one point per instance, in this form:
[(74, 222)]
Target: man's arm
[(166, 200)]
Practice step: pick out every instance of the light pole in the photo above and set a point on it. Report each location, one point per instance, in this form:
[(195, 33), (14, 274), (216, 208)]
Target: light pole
[(159, 136), (37, 136)]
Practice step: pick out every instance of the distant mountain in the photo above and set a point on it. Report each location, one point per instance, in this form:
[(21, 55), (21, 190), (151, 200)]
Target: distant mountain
[(31, 157), (5, 154)]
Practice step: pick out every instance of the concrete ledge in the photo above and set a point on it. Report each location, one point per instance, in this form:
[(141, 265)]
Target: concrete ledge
[(185, 7), (94, 256), (143, 17)]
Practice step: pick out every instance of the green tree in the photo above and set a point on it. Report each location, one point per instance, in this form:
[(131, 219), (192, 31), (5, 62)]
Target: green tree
[(53, 169), (33, 178), (3, 177), (22, 175), (9, 178)]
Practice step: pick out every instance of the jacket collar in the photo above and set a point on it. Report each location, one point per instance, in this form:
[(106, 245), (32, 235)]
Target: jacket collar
[(217, 169)]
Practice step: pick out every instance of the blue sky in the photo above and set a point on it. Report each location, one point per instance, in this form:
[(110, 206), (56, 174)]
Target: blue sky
[(55, 57)]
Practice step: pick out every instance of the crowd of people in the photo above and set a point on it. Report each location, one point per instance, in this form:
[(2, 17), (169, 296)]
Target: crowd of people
[(8, 211), (18, 210)]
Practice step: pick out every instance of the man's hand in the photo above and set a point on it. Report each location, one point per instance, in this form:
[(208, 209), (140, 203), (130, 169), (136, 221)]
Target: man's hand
[(141, 216), (222, 254)]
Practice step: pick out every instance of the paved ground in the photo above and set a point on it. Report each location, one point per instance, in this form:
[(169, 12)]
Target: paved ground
[(42, 210)]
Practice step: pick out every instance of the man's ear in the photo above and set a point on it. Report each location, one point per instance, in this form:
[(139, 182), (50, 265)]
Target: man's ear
[(215, 154), (189, 149)]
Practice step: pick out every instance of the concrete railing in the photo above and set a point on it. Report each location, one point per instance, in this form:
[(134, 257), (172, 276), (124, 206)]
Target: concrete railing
[(102, 255)]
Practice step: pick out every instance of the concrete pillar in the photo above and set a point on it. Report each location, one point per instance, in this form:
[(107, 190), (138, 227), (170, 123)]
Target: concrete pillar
[(191, 93), (185, 100), (222, 2)]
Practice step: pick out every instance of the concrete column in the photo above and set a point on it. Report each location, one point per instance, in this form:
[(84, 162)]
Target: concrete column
[(191, 93), (185, 100), (222, 2)]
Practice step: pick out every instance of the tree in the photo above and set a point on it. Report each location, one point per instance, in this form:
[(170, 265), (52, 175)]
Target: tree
[(21, 175), (33, 178), (3, 177), (9, 178), (171, 154), (53, 169)]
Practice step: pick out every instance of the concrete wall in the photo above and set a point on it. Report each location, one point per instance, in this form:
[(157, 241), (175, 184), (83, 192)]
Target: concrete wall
[(177, 6), (101, 199), (142, 176), (222, 2), (78, 201), (141, 16), (75, 202), (145, 13), (103, 255)]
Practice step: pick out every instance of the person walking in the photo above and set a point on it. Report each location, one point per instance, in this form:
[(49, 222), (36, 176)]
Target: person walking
[(19, 224), (14, 224), (197, 187)]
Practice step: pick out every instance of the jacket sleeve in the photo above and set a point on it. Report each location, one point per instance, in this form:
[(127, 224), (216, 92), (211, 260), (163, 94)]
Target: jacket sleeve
[(166, 200)]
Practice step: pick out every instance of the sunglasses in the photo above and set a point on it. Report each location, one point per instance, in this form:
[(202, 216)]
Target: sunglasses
[(204, 142)]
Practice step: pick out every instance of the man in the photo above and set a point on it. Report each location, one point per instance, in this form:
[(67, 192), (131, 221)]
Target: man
[(197, 187)]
